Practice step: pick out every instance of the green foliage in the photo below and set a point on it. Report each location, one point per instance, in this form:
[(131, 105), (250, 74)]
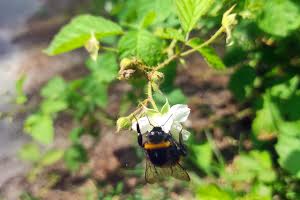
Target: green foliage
[(75, 156), (143, 45), (30, 152), (213, 192), (278, 17), (21, 97), (209, 54), (202, 156), (242, 82), (78, 31), (190, 11), (40, 127)]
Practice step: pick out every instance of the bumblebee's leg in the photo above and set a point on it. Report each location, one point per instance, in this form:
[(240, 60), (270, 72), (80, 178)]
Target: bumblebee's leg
[(140, 136), (181, 144)]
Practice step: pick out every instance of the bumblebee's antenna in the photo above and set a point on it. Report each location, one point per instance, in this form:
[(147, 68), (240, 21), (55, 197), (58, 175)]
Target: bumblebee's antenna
[(167, 120), (149, 121)]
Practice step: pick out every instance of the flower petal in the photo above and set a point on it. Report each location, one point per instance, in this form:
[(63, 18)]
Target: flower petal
[(180, 112), (144, 125), (165, 121)]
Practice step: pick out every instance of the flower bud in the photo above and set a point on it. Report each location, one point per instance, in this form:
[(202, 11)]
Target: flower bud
[(123, 123), (228, 22), (92, 46)]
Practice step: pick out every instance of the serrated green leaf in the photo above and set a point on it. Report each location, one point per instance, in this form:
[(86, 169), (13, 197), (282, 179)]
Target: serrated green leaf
[(170, 33), (105, 68), (142, 45), (190, 11), (54, 89), (280, 17), (30, 152), (78, 31), (51, 157), (288, 149), (241, 82), (209, 54), (162, 9), (40, 127)]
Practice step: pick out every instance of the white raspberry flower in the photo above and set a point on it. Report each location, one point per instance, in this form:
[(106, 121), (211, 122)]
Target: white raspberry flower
[(169, 119)]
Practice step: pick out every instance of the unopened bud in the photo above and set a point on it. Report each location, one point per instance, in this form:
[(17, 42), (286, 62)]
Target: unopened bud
[(92, 46), (123, 123)]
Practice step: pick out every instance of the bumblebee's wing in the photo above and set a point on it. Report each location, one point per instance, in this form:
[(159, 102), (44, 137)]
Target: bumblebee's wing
[(152, 174), (178, 172), (156, 174)]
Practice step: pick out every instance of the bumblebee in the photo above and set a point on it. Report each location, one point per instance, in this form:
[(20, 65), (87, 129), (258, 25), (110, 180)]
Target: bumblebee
[(163, 153)]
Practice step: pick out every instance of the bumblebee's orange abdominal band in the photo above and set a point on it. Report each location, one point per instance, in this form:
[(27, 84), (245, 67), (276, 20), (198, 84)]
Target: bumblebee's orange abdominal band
[(157, 146)]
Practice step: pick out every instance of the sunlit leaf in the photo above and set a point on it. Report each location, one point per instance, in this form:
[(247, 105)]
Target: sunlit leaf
[(30, 152), (142, 45), (190, 11), (51, 157), (280, 17), (209, 54), (78, 31)]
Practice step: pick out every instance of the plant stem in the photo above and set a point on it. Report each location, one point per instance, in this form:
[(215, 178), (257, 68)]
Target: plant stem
[(188, 52), (150, 97), (109, 49), (207, 42)]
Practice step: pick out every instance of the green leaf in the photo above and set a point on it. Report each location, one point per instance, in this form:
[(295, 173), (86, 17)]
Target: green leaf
[(252, 166), (78, 31), (280, 17), (75, 156), (21, 97), (174, 96), (267, 119), (105, 68), (209, 54), (40, 127), (53, 106), (51, 157), (241, 82), (170, 33), (54, 89), (142, 45), (288, 149), (190, 11), (213, 192), (161, 9), (76, 134), (201, 155), (30, 152), (148, 19)]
